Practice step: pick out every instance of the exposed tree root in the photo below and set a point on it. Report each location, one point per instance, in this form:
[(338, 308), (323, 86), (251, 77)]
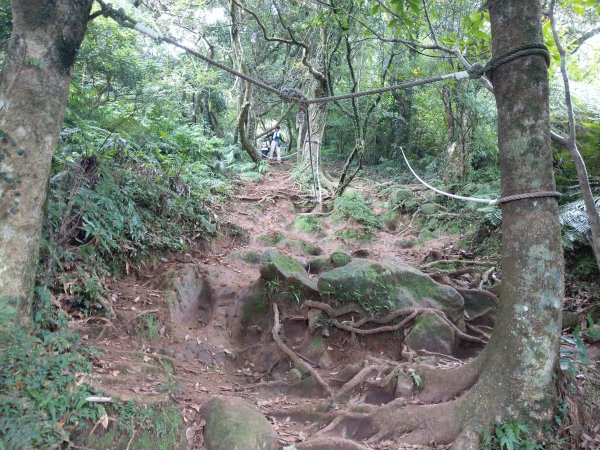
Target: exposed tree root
[(295, 358), (359, 378), (367, 331), (466, 262), (441, 385), (330, 443), (353, 327)]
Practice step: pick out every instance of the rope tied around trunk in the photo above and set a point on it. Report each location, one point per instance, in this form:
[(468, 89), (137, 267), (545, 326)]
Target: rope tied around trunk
[(479, 70)]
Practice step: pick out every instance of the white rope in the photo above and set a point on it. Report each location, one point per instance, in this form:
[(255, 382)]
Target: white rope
[(447, 194)]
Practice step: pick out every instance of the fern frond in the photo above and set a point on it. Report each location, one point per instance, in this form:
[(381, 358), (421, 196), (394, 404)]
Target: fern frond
[(574, 215)]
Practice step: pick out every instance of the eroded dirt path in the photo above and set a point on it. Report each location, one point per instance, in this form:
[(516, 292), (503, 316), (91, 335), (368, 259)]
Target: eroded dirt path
[(176, 335)]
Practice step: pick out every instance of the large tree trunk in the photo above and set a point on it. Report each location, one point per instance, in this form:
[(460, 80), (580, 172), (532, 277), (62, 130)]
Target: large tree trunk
[(519, 363), (34, 87)]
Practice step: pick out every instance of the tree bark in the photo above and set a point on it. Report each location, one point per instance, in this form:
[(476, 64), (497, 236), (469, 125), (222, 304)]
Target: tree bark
[(523, 351), (34, 87)]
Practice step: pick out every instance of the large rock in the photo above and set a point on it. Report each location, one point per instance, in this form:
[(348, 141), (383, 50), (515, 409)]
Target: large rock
[(275, 266), (430, 332), (389, 285), (233, 424), (480, 306)]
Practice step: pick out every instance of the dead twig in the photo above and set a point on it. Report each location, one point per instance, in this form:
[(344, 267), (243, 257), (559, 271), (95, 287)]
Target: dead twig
[(142, 313), (130, 440), (466, 262), (95, 399), (295, 358)]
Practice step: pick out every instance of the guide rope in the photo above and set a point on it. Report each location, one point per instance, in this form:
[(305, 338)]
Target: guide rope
[(292, 95), (494, 202)]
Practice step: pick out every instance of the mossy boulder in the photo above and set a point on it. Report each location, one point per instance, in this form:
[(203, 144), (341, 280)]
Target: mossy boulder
[(339, 259), (389, 285), (233, 424), (250, 257), (430, 332), (276, 266)]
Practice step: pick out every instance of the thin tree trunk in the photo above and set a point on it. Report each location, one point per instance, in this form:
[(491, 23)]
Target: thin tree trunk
[(34, 87), (571, 144)]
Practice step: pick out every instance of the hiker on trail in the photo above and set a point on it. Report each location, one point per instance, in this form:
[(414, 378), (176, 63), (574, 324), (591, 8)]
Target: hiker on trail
[(276, 141), (264, 148)]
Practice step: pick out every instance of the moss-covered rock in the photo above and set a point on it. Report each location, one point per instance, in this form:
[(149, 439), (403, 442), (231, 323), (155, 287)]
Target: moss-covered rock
[(339, 259), (276, 266), (385, 286), (430, 332), (233, 424)]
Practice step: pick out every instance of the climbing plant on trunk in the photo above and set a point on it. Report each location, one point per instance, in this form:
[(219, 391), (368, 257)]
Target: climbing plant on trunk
[(34, 85)]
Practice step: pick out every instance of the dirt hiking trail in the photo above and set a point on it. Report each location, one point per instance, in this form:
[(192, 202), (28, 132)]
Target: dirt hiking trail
[(188, 328)]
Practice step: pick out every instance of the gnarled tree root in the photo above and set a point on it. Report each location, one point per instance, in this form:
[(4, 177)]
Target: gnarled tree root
[(295, 358), (353, 327), (330, 443), (443, 423)]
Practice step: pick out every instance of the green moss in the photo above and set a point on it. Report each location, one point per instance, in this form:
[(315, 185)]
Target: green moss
[(281, 262), (272, 239), (351, 206), (8, 310), (408, 243), (305, 247), (429, 208), (339, 259), (318, 265), (316, 344), (361, 235), (308, 224), (255, 306), (400, 196)]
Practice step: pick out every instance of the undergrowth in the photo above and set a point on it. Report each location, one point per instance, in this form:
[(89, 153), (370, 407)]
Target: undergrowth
[(351, 206), (41, 398), (113, 203)]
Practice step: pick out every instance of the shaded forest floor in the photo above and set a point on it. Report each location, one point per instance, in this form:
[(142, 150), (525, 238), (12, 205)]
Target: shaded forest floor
[(177, 335)]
